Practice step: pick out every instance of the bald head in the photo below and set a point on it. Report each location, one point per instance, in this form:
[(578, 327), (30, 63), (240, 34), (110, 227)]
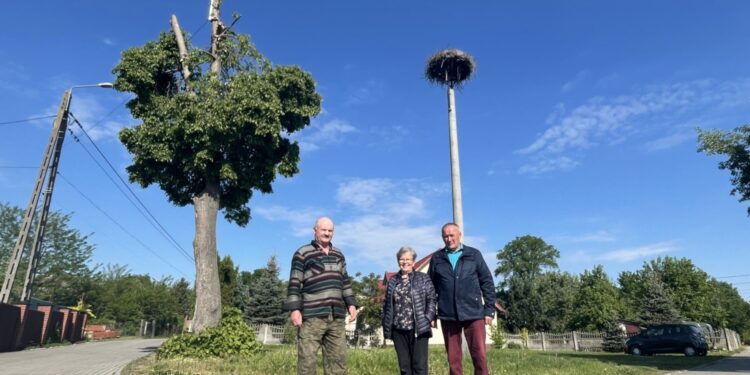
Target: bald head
[(323, 231)]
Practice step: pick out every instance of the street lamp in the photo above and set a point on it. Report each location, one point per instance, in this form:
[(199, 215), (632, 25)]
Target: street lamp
[(48, 170)]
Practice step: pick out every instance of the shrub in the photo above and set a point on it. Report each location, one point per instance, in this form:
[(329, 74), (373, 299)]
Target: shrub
[(497, 335), (290, 334), (514, 345), (232, 337), (524, 337), (614, 338)]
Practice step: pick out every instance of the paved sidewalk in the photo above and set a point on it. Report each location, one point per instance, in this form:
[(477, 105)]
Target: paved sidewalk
[(90, 358), (736, 364)]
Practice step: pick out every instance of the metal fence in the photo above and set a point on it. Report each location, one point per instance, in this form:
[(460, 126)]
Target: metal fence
[(721, 339)]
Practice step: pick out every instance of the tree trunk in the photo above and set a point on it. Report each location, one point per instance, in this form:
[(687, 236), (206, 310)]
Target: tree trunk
[(207, 290)]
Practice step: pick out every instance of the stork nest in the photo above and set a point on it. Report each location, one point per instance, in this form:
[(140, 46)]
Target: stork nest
[(449, 67)]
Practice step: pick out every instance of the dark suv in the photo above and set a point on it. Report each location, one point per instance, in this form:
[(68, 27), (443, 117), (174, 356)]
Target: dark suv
[(669, 338)]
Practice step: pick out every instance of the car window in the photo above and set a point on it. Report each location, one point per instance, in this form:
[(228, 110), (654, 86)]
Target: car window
[(676, 330), (659, 331)]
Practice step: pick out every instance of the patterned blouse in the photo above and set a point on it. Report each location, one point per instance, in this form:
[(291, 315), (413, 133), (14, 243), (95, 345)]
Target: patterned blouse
[(403, 305)]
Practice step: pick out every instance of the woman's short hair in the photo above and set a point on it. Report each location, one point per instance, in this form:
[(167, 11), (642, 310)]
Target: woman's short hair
[(404, 250)]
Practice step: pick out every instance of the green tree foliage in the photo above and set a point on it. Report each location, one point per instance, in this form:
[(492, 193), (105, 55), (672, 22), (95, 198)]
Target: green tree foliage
[(123, 299), (521, 263), (614, 337), (231, 285), (735, 311), (63, 272), (687, 286), (523, 302), (558, 296), (370, 300), (656, 304), (213, 140), (266, 296), (526, 256), (231, 338), (735, 145), (596, 303)]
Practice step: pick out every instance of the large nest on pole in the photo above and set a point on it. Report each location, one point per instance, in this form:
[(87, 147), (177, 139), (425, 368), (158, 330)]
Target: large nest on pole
[(449, 67)]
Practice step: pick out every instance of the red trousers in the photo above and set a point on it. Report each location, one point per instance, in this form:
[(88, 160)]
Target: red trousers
[(475, 340)]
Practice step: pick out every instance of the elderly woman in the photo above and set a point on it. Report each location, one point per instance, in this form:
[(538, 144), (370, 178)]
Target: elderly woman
[(408, 311)]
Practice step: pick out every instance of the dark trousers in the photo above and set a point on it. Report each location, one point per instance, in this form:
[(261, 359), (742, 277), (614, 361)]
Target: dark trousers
[(411, 351), (475, 340)]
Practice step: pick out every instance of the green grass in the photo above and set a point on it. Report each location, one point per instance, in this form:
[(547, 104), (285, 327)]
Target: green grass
[(281, 360)]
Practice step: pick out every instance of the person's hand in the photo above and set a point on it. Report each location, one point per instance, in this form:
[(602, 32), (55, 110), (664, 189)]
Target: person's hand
[(352, 312), (488, 320), (433, 323), (296, 318)]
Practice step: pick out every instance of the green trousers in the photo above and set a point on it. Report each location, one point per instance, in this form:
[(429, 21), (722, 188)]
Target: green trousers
[(325, 332)]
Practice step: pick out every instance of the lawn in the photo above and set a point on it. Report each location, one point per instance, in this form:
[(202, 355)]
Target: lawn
[(281, 360)]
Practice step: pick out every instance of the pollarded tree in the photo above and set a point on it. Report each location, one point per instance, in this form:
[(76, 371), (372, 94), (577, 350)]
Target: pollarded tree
[(211, 136), (735, 145)]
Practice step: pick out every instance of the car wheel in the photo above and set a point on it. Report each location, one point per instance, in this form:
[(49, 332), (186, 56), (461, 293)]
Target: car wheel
[(689, 351), (703, 353), (636, 350)]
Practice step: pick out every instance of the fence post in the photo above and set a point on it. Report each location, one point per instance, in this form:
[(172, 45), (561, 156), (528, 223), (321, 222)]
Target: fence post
[(575, 341), (726, 339), (153, 328), (544, 344)]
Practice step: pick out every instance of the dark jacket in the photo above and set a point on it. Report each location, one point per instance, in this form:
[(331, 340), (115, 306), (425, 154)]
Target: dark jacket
[(460, 292), (423, 297)]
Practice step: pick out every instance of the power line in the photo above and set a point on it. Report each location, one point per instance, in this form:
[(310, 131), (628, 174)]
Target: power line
[(26, 120), (115, 108), (160, 228), (120, 225)]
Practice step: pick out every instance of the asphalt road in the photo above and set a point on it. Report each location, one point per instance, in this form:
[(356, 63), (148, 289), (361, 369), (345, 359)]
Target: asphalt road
[(90, 358), (736, 364)]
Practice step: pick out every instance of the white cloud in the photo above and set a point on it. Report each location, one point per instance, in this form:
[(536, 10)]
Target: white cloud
[(670, 141), (301, 221), (645, 251), (570, 85), (561, 163), (331, 132), (374, 218), (598, 236), (366, 94), (109, 41), (611, 120), (92, 116)]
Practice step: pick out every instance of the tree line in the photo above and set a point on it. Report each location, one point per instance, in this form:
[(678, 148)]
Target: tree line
[(116, 295), (539, 297), (535, 293)]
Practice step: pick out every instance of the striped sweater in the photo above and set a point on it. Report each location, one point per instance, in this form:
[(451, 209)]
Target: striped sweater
[(318, 283)]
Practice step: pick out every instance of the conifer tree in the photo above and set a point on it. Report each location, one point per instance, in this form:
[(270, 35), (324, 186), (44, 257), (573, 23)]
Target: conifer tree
[(266, 297)]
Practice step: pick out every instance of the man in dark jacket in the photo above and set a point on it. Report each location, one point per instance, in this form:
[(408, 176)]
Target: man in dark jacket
[(466, 299)]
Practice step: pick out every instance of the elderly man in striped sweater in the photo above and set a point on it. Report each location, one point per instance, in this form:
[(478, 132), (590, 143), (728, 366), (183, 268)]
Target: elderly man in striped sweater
[(319, 296)]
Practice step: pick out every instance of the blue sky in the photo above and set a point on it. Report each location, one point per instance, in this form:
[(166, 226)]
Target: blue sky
[(578, 127)]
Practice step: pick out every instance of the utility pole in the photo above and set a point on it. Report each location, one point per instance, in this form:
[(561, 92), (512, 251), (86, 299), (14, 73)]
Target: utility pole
[(50, 159), (36, 248)]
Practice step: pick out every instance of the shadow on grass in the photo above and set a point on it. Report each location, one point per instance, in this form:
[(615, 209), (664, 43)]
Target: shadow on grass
[(661, 362), (148, 349)]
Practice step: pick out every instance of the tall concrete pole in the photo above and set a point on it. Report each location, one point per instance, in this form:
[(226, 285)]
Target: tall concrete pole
[(55, 141), (36, 248), (458, 211)]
